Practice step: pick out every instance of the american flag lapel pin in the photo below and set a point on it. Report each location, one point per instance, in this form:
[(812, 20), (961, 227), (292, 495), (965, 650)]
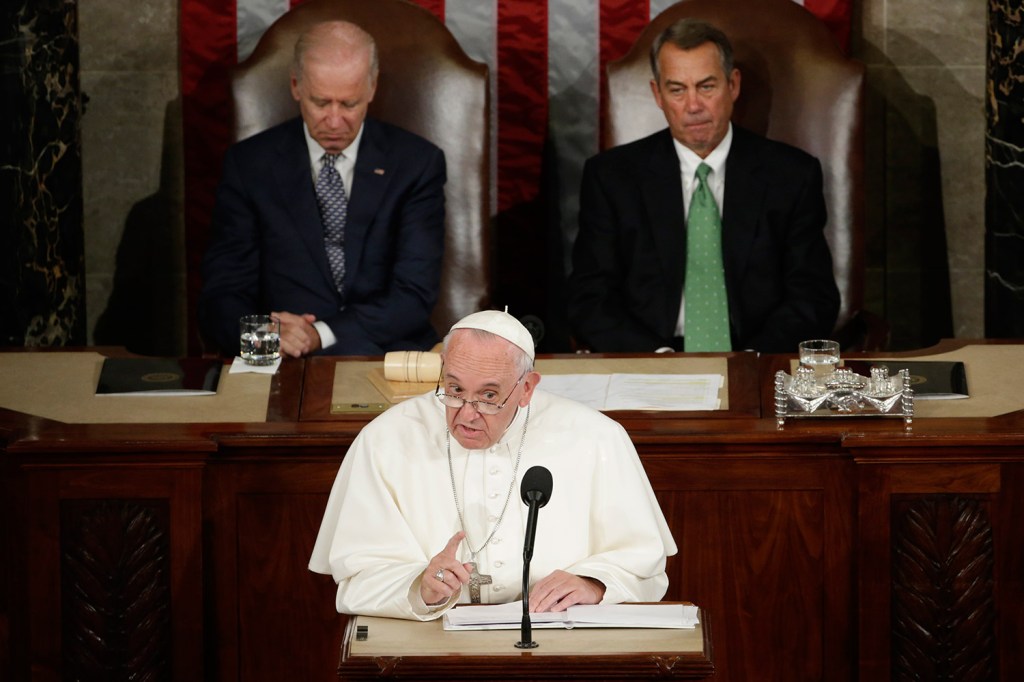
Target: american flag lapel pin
[(378, 171)]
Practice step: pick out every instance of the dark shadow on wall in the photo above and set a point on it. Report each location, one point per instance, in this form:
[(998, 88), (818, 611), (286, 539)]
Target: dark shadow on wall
[(146, 311), (529, 261), (907, 256)]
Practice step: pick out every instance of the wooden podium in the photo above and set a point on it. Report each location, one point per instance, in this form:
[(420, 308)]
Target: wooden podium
[(404, 649)]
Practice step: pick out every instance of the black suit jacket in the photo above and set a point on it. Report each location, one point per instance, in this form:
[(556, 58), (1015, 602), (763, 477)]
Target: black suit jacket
[(267, 250), (629, 260)]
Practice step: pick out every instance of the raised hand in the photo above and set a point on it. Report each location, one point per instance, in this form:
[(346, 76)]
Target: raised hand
[(445, 574)]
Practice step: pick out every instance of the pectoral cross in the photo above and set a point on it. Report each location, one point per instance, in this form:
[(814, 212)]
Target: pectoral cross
[(475, 581)]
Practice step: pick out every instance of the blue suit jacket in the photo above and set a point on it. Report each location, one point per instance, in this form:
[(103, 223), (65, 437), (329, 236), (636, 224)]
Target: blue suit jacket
[(267, 250), (629, 261)]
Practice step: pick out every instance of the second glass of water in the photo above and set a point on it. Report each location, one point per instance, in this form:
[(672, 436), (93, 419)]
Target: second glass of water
[(821, 355), (260, 339)]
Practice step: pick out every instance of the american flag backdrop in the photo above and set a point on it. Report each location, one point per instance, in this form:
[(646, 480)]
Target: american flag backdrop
[(546, 58)]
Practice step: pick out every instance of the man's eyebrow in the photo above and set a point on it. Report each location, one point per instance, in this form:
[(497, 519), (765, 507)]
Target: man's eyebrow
[(451, 375), (706, 79)]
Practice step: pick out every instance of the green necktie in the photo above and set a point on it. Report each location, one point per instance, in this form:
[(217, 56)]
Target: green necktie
[(707, 307)]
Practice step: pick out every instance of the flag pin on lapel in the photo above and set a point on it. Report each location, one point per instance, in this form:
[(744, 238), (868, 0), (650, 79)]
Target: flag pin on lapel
[(378, 171)]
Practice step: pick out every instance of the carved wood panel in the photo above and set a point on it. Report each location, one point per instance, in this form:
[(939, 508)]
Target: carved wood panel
[(115, 589), (943, 603)]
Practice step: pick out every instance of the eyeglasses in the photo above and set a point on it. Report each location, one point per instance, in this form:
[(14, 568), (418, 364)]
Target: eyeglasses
[(481, 406)]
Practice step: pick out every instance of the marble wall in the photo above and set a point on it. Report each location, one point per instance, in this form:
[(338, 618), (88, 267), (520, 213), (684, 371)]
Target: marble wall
[(1004, 156), (925, 161), (41, 267)]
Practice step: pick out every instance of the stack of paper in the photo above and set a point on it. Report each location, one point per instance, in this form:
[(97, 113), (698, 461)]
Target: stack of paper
[(510, 616), (639, 391)]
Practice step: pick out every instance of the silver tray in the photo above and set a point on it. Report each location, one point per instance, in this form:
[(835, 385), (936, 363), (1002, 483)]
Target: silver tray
[(843, 393)]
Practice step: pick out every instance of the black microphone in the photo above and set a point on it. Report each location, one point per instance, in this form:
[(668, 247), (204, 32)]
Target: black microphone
[(535, 491)]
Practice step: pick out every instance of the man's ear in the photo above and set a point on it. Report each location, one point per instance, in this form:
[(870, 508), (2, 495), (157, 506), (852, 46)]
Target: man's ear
[(373, 89), (656, 91), (530, 382), (734, 84)]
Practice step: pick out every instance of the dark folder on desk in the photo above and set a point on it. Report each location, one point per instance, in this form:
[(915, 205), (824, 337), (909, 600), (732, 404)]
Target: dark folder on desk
[(159, 376), (930, 379)]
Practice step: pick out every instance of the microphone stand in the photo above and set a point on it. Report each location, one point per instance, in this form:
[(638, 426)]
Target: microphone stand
[(526, 635)]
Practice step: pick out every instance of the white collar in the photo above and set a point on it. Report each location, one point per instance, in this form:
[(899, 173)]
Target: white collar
[(316, 152), (689, 160)]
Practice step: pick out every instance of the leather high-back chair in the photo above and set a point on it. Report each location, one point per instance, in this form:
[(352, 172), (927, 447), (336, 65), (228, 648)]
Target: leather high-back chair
[(427, 85), (797, 87)]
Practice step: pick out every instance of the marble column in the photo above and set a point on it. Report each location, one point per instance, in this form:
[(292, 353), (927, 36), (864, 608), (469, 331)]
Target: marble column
[(42, 296), (1004, 171)]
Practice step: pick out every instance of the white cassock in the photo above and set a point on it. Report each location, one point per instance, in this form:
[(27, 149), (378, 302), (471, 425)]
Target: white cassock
[(392, 509)]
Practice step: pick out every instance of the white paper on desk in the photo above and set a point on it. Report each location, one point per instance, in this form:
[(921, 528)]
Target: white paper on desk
[(509, 616), (589, 389), (664, 391), (669, 392), (240, 366)]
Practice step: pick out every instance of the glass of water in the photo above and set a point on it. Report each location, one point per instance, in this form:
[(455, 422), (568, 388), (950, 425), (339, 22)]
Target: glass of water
[(821, 355), (260, 339)]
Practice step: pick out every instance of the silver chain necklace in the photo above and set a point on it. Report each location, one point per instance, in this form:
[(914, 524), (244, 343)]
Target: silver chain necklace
[(508, 496)]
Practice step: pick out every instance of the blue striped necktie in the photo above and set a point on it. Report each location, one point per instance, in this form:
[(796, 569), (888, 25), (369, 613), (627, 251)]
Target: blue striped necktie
[(706, 314), (333, 203)]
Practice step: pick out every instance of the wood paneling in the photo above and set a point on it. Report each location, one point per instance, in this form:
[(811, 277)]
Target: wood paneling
[(765, 546), (275, 619)]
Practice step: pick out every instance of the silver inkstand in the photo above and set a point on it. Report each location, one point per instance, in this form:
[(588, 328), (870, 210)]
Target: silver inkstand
[(820, 387)]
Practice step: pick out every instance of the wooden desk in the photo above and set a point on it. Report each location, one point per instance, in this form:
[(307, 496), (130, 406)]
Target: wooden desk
[(399, 649), (797, 542), (366, 401), (87, 509)]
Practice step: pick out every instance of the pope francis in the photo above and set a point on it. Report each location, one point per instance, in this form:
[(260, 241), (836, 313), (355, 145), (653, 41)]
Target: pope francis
[(425, 512)]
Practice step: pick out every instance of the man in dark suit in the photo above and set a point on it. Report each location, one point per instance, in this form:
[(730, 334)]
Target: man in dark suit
[(332, 222), (626, 290)]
